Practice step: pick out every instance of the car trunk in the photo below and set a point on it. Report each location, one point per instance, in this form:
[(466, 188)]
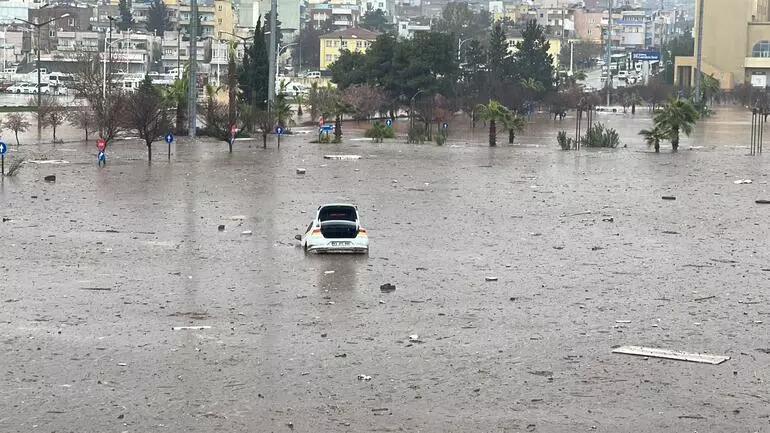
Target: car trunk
[(339, 229)]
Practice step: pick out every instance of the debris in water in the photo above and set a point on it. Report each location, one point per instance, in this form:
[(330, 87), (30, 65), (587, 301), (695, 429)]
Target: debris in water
[(387, 288), (364, 377), (194, 328), (671, 354)]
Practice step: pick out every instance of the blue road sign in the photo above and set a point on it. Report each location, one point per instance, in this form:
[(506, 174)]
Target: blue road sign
[(169, 138), (100, 157), (389, 122), (279, 130), (3, 148), (327, 128), (445, 125), (645, 56)]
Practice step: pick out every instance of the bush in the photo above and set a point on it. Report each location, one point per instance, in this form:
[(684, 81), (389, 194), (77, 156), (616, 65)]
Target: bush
[(599, 136), (379, 131), (566, 143), (14, 168), (417, 134), (441, 138)]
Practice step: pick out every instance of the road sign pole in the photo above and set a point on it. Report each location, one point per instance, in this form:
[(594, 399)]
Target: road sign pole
[(2, 165)]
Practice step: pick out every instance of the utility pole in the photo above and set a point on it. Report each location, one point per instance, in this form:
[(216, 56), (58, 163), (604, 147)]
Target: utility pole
[(699, 52), (192, 83), (609, 51), (272, 55)]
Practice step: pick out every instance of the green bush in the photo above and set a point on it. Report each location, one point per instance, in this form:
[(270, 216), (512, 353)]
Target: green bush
[(564, 142), (599, 136), (417, 134), (441, 138), (379, 131)]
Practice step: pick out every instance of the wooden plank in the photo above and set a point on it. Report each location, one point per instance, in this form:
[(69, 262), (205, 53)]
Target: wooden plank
[(671, 354)]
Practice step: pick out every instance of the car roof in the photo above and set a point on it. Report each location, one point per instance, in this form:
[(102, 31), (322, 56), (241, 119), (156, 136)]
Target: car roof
[(338, 204)]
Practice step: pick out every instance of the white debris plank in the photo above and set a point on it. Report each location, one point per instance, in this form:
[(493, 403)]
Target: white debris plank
[(196, 328), (342, 156), (671, 354)]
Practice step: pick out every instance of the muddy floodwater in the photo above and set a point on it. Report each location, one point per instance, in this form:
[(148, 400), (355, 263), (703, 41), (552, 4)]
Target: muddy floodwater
[(99, 268)]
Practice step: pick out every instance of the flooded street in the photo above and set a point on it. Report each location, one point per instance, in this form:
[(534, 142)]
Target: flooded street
[(100, 266)]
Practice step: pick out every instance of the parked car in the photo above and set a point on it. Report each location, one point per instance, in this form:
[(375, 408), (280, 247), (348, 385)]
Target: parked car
[(622, 75), (20, 88), (336, 228)]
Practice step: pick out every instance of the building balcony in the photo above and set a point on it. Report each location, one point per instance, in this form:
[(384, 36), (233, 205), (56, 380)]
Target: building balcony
[(757, 62)]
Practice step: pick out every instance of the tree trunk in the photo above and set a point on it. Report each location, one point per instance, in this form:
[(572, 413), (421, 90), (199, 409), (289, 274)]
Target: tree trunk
[(511, 136), (299, 110), (232, 85), (179, 118), (492, 133), (338, 128), (16, 132), (264, 140), (633, 108), (54, 132), (657, 146), (149, 152), (675, 139)]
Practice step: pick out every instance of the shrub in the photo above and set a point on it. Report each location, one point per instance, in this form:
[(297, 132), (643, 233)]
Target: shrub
[(417, 134), (379, 131), (564, 142), (599, 136), (14, 168), (440, 139)]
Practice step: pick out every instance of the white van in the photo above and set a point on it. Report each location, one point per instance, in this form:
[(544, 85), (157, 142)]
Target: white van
[(313, 74)]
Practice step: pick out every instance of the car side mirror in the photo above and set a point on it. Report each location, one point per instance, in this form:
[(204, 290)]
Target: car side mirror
[(298, 237)]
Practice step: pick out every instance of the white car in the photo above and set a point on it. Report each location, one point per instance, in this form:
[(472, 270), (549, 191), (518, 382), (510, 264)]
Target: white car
[(335, 229)]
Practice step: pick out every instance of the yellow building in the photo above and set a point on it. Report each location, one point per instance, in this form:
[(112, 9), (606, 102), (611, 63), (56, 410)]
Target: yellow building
[(736, 44), (554, 50), (214, 19), (353, 39)]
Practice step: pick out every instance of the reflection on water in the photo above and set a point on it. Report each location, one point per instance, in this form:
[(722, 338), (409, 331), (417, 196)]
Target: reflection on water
[(337, 272)]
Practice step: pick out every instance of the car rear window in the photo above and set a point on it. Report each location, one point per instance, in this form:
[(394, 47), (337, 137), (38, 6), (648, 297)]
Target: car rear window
[(339, 213)]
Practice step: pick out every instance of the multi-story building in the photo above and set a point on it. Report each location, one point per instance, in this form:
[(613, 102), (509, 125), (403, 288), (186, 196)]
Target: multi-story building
[(175, 51), (78, 19), (129, 51), (588, 25), (407, 28), (736, 44), (13, 10), (343, 13), (633, 29), (73, 43), (353, 39), (216, 16), (288, 14)]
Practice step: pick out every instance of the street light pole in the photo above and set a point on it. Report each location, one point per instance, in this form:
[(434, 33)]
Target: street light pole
[(192, 84), (460, 43), (609, 52), (699, 53), (39, 26), (272, 67)]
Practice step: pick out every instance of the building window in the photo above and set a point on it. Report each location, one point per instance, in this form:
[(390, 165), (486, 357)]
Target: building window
[(329, 43), (359, 44), (219, 8), (761, 49), (344, 44), (328, 58)]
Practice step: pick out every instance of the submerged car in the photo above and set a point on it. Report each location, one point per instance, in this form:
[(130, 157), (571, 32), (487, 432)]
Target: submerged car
[(335, 229)]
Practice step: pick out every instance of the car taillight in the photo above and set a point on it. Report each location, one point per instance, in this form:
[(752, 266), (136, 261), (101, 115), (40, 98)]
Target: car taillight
[(316, 232), (362, 231)]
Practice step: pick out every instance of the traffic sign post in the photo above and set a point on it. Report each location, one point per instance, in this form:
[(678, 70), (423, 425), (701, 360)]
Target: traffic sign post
[(445, 126), (169, 140), (231, 140), (279, 133), (3, 149)]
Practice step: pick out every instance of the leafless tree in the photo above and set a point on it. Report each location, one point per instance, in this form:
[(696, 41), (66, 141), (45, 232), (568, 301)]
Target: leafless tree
[(17, 122), (83, 117), (367, 99), (146, 112), (103, 96), (265, 120), (50, 113)]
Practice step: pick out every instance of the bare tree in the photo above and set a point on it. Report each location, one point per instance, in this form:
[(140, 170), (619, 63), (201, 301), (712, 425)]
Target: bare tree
[(146, 113), (16, 122), (104, 97), (50, 113), (367, 99), (265, 119), (83, 117)]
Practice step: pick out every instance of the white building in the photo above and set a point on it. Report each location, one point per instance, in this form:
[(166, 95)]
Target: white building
[(176, 51), (12, 10), (407, 29)]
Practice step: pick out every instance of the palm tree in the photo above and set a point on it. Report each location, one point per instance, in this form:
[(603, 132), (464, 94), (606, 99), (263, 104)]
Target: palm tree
[(493, 112), (514, 124), (654, 136), (677, 116), (176, 96), (299, 100)]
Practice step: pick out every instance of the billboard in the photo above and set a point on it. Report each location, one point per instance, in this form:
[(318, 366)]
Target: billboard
[(645, 56)]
